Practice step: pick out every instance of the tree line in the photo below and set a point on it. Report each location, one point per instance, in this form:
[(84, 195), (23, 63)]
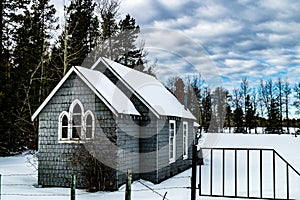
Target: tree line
[(38, 48), (245, 108)]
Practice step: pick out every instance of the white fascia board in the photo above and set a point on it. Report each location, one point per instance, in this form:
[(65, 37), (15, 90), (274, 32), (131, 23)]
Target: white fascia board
[(49, 97), (73, 69), (96, 63)]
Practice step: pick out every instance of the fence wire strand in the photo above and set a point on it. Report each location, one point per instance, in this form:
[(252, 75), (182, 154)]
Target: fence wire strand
[(147, 188)]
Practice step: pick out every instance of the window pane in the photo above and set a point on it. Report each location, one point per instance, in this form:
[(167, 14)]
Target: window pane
[(76, 109), (171, 149), (172, 140), (88, 133), (65, 121), (76, 132), (171, 133), (77, 120), (185, 139), (64, 132), (172, 126), (89, 120)]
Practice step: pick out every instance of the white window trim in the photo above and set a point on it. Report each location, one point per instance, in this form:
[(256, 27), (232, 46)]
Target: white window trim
[(185, 139), (86, 114), (69, 115), (62, 114), (74, 103), (172, 159)]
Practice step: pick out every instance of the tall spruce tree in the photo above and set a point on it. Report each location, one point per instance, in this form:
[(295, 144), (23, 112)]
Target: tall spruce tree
[(206, 115), (250, 114), (29, 58), (78, 38), (238, 112), (108, 10), (10, 19), (128, 53), (119, 38)]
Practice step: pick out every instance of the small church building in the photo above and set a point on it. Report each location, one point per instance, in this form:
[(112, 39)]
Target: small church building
[(122, 118)]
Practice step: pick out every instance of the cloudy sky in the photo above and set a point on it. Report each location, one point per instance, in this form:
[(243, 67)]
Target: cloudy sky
[(243, 38), (224, 40)]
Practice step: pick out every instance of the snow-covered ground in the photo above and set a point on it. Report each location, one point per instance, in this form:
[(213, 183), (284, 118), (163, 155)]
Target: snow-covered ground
[(19, 177)]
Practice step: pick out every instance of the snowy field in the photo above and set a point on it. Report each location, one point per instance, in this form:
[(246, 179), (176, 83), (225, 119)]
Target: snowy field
[(19, 178)]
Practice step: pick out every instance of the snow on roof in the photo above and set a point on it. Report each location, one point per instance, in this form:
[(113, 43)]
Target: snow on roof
[(109, 93), (150, 90), (196, 124)]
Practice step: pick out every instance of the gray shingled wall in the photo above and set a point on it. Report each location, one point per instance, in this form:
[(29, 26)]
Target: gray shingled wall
[(128, 147), (55, 159), (166, 169)]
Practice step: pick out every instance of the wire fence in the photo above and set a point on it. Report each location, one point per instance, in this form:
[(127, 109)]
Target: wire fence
[(6, 184)]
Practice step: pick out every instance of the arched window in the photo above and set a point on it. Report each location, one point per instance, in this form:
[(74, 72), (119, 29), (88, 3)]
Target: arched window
[(76, 123), (64, 126), (89, 125), (76, 111)]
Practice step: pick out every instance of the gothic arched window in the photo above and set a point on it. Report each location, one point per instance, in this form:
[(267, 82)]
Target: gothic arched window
[(76, 116), (64, 125), (89, 125), (76, 124)]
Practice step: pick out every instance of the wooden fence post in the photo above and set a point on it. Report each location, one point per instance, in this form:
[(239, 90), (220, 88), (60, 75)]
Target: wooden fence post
[(73, 186), (0, 186), (128, 185)]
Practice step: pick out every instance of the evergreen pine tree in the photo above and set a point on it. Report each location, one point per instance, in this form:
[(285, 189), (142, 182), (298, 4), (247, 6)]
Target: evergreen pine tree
[(29, 58), (128, 54), (79, 36), (206, 116), (250, 114), (238, 120), (10, 20)]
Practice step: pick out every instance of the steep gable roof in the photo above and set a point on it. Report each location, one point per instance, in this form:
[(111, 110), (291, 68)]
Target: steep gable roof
[(148, 89), (109, 93)]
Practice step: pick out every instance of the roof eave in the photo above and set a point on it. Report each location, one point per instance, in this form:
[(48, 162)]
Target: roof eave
[(49, 97)]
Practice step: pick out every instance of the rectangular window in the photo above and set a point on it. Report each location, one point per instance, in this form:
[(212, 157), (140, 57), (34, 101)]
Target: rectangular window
[(172, 140), (185, 140)]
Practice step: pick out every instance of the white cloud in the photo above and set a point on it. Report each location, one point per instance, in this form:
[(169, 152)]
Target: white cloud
[(172, 5), (210, 32), (142, 10), (211, 11), (242, 38)]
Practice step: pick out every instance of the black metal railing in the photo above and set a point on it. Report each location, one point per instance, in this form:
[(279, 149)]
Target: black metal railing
[(223, 151)]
